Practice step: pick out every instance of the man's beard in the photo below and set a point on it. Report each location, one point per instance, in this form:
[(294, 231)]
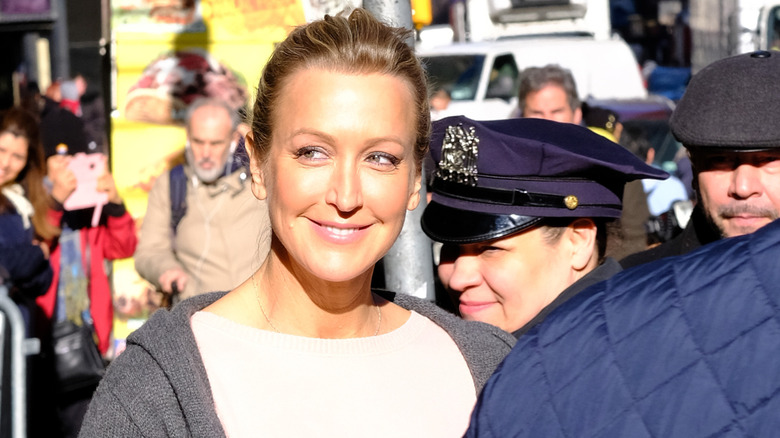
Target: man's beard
[(207, 176)]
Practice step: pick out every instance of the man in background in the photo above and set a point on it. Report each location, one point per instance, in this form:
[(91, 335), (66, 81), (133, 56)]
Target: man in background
[(550, 93), (193, 238), (727, 121)]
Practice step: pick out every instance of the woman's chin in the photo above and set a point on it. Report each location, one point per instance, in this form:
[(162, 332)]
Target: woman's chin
[(334, 266), (340, 274)]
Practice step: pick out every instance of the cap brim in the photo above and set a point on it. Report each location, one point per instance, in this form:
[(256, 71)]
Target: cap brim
[(451, 225), (703, 149)]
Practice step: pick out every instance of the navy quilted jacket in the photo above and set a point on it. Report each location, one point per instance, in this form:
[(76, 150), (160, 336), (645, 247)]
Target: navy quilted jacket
[(687, 346)]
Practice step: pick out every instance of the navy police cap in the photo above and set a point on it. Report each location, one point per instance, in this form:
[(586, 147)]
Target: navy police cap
[(732, 103), (496, 178)]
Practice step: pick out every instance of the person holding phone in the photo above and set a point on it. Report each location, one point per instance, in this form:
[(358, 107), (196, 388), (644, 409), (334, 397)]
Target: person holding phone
[(80, 291)]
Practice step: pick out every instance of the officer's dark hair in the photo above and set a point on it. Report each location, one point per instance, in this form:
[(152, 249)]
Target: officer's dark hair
[(553, 228)]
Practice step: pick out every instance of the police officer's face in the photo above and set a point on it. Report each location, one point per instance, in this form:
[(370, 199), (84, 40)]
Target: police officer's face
[(551, 103), (740, 191), (210, 136), (507, 282)]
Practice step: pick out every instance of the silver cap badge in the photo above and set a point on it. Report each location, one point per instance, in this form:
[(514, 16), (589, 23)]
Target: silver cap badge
[(459, 155)]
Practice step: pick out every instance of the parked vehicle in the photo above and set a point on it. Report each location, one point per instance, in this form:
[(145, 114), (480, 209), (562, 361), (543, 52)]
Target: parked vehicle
[(482, 78), (768, 31), (734, 27)]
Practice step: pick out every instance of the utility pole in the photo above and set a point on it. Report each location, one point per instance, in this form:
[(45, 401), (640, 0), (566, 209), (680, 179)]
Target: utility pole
[(409, 264), (59, 37)]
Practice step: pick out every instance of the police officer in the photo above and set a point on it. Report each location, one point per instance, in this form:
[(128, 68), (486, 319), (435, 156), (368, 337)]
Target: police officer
[(522, 208), (728, 121)]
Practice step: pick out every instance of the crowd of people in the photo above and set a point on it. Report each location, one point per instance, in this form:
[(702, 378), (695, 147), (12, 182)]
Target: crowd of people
[(57, 235), (562, 319)]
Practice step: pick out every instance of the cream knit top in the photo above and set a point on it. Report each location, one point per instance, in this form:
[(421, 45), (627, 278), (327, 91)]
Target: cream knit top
[(412, 382)]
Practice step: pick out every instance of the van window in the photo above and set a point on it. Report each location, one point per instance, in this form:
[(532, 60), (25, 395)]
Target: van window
[(458, 74), (774, 28), (503, 78)]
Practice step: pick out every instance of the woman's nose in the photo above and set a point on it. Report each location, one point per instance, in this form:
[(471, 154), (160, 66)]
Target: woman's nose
[(345, 192), (461, 273)]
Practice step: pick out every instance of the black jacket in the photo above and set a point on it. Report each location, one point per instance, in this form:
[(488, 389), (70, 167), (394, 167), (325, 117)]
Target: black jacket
[(697, 233)]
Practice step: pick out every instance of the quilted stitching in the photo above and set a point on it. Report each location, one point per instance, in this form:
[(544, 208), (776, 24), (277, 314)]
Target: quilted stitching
[(684, 347)]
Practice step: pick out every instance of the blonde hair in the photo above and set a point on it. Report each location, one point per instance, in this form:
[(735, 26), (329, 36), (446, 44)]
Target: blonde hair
[(357, 44)]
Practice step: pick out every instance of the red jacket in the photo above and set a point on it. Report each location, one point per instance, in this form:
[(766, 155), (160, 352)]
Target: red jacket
[(114, 238)]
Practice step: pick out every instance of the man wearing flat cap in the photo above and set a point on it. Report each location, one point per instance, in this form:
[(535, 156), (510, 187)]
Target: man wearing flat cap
[(522, 208), (728, 121)]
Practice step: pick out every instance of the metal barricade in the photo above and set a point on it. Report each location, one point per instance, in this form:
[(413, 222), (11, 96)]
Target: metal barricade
[(13, 372)]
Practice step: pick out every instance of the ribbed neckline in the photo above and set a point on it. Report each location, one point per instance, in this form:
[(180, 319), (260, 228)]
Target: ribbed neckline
[(253, 337)]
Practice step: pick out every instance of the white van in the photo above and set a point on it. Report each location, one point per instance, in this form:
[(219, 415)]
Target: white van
[(482, 77), (768, 33)]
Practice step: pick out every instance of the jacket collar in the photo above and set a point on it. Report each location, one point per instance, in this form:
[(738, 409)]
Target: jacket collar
[(234, 182)]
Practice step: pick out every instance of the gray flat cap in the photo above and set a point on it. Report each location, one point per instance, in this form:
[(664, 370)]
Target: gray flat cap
[(733, 103)]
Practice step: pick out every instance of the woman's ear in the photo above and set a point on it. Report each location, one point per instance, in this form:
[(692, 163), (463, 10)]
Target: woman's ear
[(255, 168), (582, 236), (414, 197)]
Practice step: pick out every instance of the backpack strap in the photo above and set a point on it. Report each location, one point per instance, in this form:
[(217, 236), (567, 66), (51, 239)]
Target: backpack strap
[(178, 192), (239, 157)]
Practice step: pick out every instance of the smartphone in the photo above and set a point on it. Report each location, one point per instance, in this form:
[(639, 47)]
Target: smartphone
[(87, 168)]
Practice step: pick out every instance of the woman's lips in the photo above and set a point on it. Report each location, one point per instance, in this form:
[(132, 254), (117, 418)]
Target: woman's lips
[(339, 233), (474, 307)]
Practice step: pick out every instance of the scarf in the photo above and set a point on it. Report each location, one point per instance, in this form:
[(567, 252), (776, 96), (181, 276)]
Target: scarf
[(15, 194), (72, 295)]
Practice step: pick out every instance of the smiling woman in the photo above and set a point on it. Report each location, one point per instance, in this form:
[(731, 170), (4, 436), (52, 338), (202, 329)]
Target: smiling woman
[(23, 208), (339, 130), (22, 165)]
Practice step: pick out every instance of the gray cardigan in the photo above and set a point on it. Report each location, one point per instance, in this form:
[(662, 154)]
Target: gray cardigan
[(158, 386)]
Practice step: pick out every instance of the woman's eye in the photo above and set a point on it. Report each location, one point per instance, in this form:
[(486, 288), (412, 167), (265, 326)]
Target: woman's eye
[(490, 248), (383, 159), (310, 153)]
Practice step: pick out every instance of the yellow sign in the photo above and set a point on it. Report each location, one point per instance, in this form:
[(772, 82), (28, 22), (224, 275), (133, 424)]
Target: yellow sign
[(167, 55)]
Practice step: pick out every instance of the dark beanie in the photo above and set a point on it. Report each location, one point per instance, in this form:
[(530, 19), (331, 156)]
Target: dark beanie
[(63, 132)]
